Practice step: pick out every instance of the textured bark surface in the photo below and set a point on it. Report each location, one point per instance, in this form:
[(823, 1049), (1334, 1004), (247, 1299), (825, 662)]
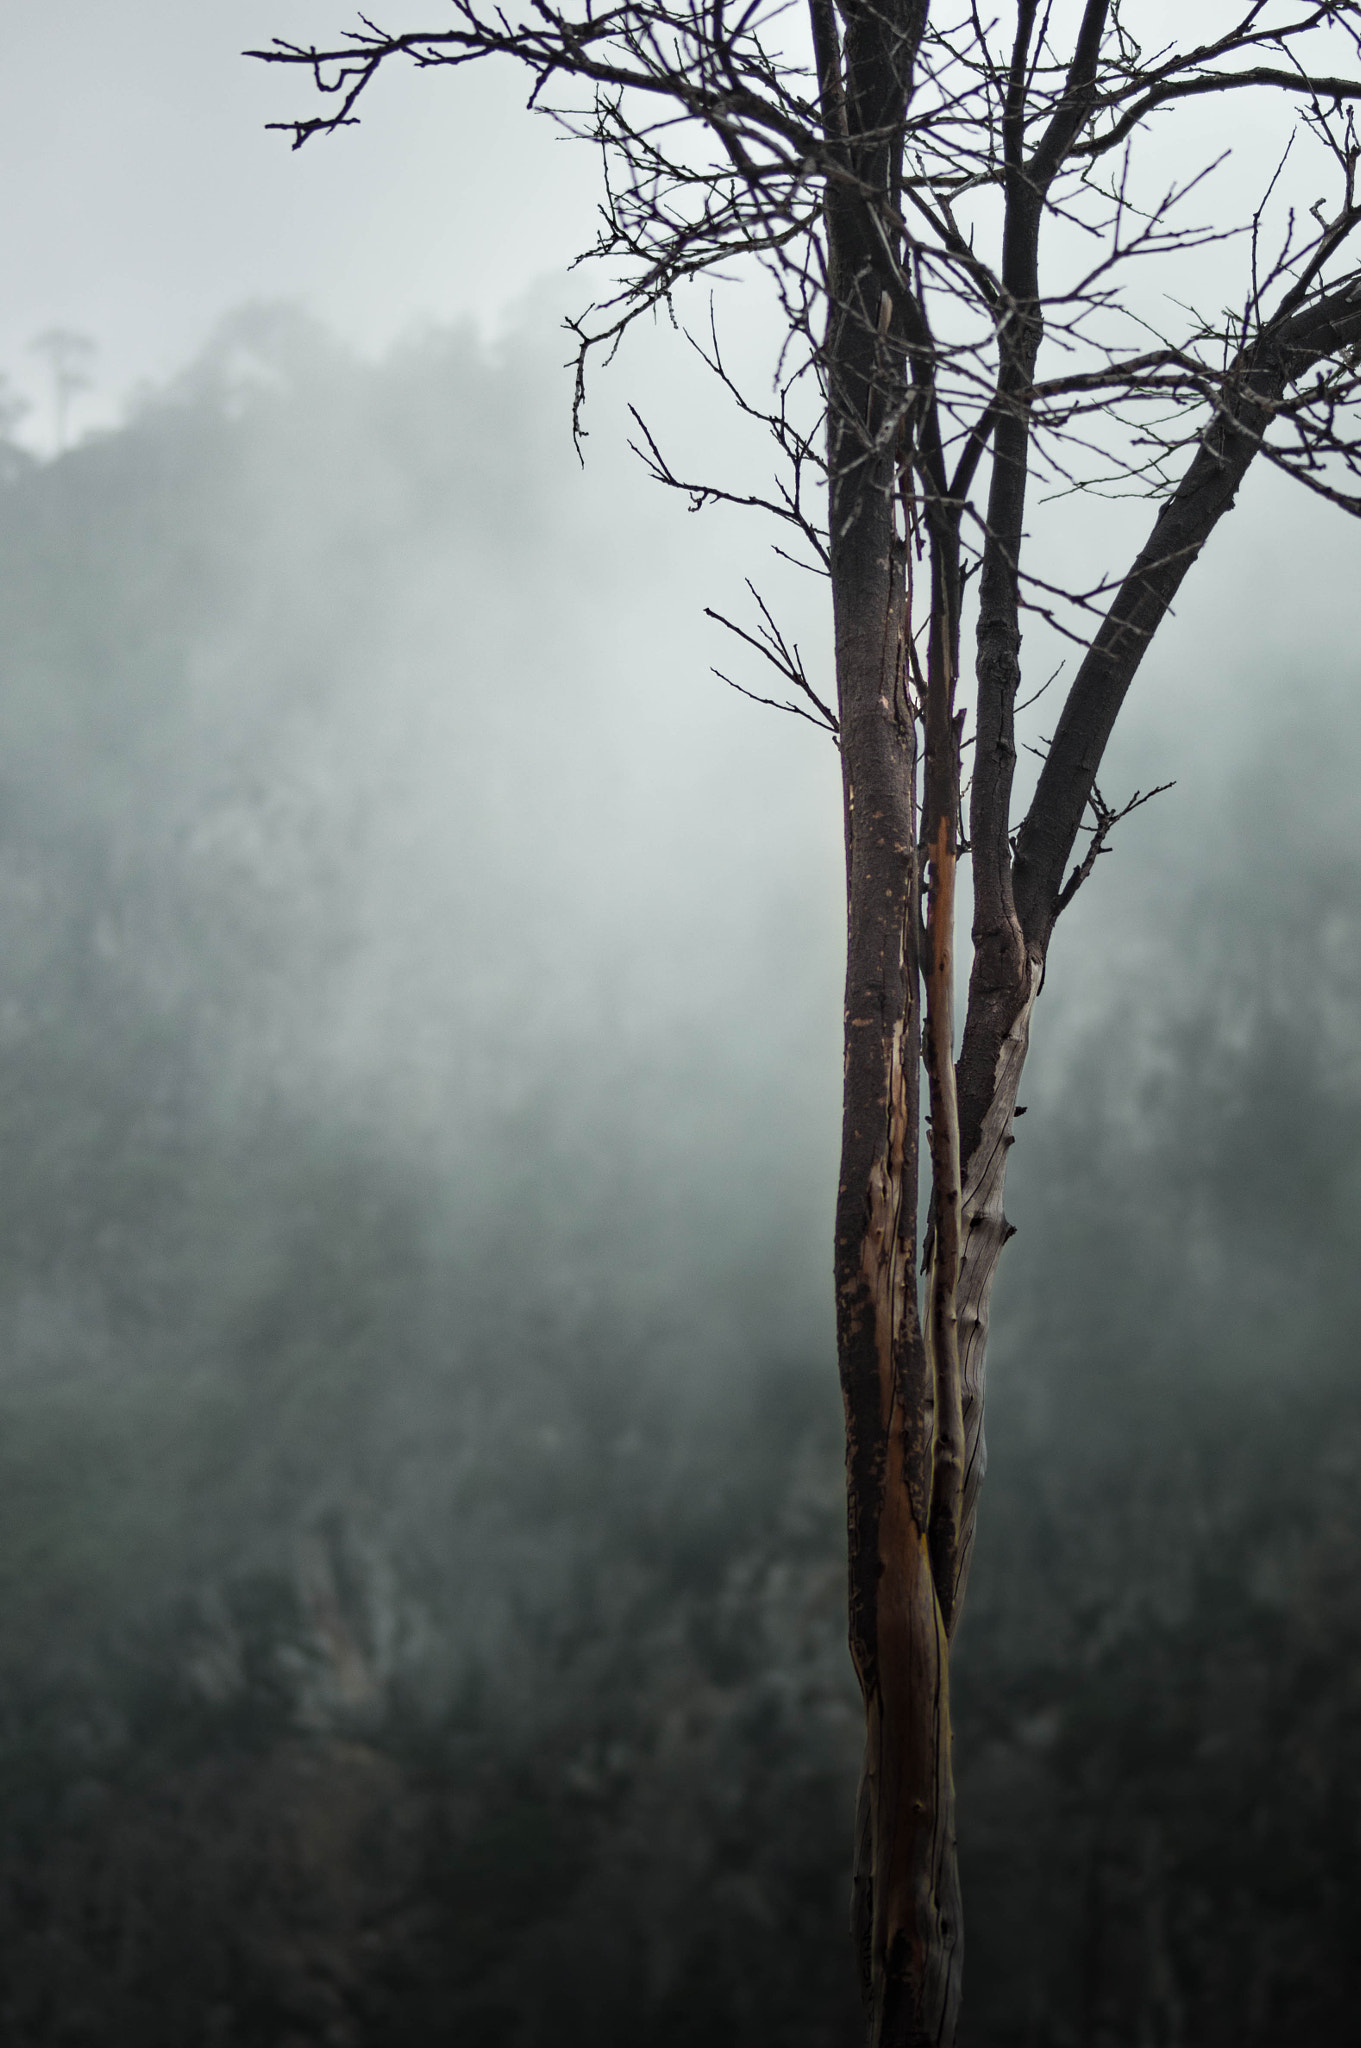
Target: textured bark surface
[(905, 1887), (905, 1897), (905, 1884), (940, 842), (984, 1232), (1008, 966)]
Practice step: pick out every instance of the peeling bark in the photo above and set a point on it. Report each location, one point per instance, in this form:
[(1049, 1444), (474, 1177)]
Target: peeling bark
[(985, 1231), (940, 843), (905, 1888), (905, 1893)]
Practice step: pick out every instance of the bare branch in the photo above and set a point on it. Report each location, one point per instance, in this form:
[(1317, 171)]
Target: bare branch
[(783, 656), (1104, 822)]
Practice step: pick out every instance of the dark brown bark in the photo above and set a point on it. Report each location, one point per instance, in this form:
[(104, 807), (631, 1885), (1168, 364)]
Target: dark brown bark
[(1005, 972), (1001, 972), (906, 1886), (905, 1894), (940, 846)]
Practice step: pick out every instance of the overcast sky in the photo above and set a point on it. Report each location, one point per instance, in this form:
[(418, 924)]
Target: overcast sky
[(145, 195)]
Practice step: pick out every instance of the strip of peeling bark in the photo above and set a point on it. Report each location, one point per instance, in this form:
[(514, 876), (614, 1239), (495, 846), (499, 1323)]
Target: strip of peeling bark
[(940, 842), (984, 1231)]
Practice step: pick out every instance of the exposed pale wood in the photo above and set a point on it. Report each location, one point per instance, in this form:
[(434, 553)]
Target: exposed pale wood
[(985, 1231)]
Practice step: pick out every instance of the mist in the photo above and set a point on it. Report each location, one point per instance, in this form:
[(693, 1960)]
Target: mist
[(422, 1611)]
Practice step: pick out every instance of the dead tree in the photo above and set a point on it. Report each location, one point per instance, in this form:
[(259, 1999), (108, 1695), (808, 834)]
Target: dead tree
[(937, 196)]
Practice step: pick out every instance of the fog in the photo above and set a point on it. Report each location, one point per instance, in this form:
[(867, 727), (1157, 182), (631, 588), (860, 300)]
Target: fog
[(421, 1584), (150, 194), (422, 1606)]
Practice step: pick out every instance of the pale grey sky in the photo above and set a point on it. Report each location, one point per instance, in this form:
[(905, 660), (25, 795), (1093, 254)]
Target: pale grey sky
[(145, 197)]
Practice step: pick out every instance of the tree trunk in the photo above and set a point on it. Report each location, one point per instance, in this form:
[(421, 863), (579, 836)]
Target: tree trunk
[(905, 1893), (905, 1890)]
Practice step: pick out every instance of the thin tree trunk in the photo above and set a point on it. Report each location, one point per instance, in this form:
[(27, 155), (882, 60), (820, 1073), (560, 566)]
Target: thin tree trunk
[(905, 1888), (940, 848), (906, 1894)]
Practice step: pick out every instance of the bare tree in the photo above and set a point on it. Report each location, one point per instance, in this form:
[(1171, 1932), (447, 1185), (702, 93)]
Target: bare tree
[(892, 167)]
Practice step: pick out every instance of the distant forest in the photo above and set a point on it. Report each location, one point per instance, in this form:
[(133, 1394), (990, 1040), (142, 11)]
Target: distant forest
[(421, 1588)]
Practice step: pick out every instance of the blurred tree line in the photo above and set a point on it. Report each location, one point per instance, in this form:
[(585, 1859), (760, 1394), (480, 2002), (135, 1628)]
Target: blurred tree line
[(399, 1625)]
